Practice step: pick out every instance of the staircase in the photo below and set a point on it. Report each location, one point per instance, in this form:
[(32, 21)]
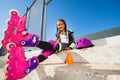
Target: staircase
[(101, 62)]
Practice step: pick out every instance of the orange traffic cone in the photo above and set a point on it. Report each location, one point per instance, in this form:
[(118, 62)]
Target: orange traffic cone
[(69, 59)]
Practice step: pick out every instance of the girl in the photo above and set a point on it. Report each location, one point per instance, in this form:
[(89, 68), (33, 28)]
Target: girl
[(64, 37), (64, 41)]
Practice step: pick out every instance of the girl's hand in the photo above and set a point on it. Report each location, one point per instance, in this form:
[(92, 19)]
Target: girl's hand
[(67, 48)]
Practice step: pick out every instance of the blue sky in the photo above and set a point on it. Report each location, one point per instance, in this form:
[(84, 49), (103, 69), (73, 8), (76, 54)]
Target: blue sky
[(6, 5), (82, 16), (85, 16)]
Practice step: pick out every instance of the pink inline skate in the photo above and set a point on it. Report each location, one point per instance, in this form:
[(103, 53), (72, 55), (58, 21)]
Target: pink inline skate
[(54, 46), (48, 52), (17, 66), (16, 36), (16, 33)]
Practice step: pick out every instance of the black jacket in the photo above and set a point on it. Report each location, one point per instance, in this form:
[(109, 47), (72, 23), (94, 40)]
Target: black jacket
[(71, 43)]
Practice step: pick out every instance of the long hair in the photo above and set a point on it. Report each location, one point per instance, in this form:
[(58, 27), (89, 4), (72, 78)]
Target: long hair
[(57, 31)]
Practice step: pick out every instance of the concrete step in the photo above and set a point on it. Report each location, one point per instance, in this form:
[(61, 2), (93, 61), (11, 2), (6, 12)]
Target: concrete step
[(78, 71)]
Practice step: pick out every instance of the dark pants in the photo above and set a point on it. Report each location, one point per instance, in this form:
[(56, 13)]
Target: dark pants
[(47, 46)]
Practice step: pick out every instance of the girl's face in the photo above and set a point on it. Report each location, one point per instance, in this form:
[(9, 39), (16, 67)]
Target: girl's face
[(60, 25)]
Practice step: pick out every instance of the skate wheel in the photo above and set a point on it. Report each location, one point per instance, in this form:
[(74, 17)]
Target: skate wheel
[(4, 30), (5, 68), (27, 70), (10, 45), (8, 67), (9, 23), (34, 39), (23, 42), (7, 20), (24, 33), (7, 57), (13, 12), (3, 42)]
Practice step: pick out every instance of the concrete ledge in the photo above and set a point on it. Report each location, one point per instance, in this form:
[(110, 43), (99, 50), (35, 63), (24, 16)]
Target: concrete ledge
[(78, 71)]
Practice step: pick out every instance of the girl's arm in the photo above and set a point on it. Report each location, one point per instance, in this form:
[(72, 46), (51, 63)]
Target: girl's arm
[(58, 40), (71, 41)]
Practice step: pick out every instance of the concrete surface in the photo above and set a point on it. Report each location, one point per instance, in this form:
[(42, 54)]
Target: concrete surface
[(79, 71), (76, 71), (107, 52), (102, 62)]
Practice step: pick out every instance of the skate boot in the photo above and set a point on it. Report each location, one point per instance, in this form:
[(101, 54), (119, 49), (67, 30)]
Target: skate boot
[(16, 33), (25, 38), (50, 49), (12, 24), (45, 53), (55, 46), (33, 63), (17, 66)]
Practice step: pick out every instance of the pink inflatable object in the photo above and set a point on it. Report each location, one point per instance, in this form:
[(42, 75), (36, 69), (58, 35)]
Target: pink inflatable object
[(16, 33)]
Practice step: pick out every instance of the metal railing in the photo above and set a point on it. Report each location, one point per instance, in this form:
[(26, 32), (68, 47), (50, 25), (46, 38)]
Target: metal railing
[(36, 18)]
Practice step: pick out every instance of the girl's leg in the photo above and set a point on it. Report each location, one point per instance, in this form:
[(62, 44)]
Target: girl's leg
[(44, 55), (44, 45), (41, 58), (48, 48)]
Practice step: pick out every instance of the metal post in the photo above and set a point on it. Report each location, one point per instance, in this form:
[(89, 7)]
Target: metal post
[(43, 24)]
